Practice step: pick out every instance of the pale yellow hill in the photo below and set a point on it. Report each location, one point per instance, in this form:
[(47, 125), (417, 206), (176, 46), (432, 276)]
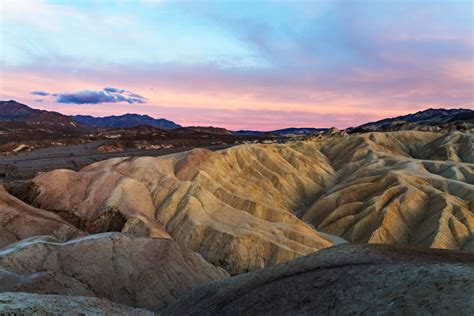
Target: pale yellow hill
[(235, 207), (19, 220), (384, 195)]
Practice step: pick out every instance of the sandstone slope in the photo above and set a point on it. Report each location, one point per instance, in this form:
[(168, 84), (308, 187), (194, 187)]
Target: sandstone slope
[(236, 207), (19, 220), (148, 273), (242, 208), (342, 280), (400, 188)]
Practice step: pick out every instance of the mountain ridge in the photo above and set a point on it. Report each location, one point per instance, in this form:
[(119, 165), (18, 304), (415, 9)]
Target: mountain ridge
[(46, 121), (421, 119), (126, 120), (283, 131), (13, 111)]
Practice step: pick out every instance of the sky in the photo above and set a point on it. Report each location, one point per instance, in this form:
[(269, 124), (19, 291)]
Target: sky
[(258, 65)]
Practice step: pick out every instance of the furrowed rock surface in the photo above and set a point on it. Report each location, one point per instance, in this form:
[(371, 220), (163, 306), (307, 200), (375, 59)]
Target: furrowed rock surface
[(236, 207), (70, 189), (40, 304), (389, 192), (148, 273), (248, 206), (342, 280), (19, 220)]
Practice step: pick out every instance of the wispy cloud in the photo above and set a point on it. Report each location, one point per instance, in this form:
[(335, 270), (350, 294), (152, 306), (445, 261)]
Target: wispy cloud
[(383, 58)]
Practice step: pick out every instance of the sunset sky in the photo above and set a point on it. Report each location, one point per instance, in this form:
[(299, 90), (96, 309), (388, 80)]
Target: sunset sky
[(239, 64)]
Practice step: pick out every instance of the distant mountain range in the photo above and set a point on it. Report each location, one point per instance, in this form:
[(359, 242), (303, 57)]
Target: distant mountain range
[(284, 131), (23, 129), (429, 117), (16, 117), (126, 120), (12, 111)]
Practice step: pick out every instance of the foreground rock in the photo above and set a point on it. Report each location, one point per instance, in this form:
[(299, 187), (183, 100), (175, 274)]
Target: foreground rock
[(342, 280), (19, 220), (141, 272), (37, 304)]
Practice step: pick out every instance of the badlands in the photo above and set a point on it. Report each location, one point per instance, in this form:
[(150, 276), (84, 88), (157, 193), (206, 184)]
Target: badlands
[(287, 228)]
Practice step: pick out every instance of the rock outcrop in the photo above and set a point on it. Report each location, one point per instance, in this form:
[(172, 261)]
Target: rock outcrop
[(19, 220), (40, 304), (342, 280), (148, 273), (389, 192)]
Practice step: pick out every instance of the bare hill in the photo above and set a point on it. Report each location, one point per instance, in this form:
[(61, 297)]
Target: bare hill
[(141, 272), (19, 220), (345, 280), (252, 206)]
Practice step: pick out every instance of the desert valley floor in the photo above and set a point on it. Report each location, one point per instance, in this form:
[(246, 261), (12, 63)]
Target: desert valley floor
[(282, 228)]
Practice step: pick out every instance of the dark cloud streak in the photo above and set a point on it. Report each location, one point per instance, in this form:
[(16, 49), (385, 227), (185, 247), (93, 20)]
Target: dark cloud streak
[(108, 95), (114, 90), (41, 93)]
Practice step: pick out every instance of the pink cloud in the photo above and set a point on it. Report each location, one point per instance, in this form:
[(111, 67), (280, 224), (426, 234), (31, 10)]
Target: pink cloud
[(208, 95)]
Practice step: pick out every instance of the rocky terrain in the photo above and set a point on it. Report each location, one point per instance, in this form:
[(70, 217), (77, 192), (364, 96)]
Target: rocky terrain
[(19, 220), (252, 206), (345, 280), (224, 205), (139, 272), (402, 188), (335, 222), (39, 304)]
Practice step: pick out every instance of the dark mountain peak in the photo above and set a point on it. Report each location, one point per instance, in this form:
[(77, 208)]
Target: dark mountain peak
[(10, 101), (12, 111), (12, 104)]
